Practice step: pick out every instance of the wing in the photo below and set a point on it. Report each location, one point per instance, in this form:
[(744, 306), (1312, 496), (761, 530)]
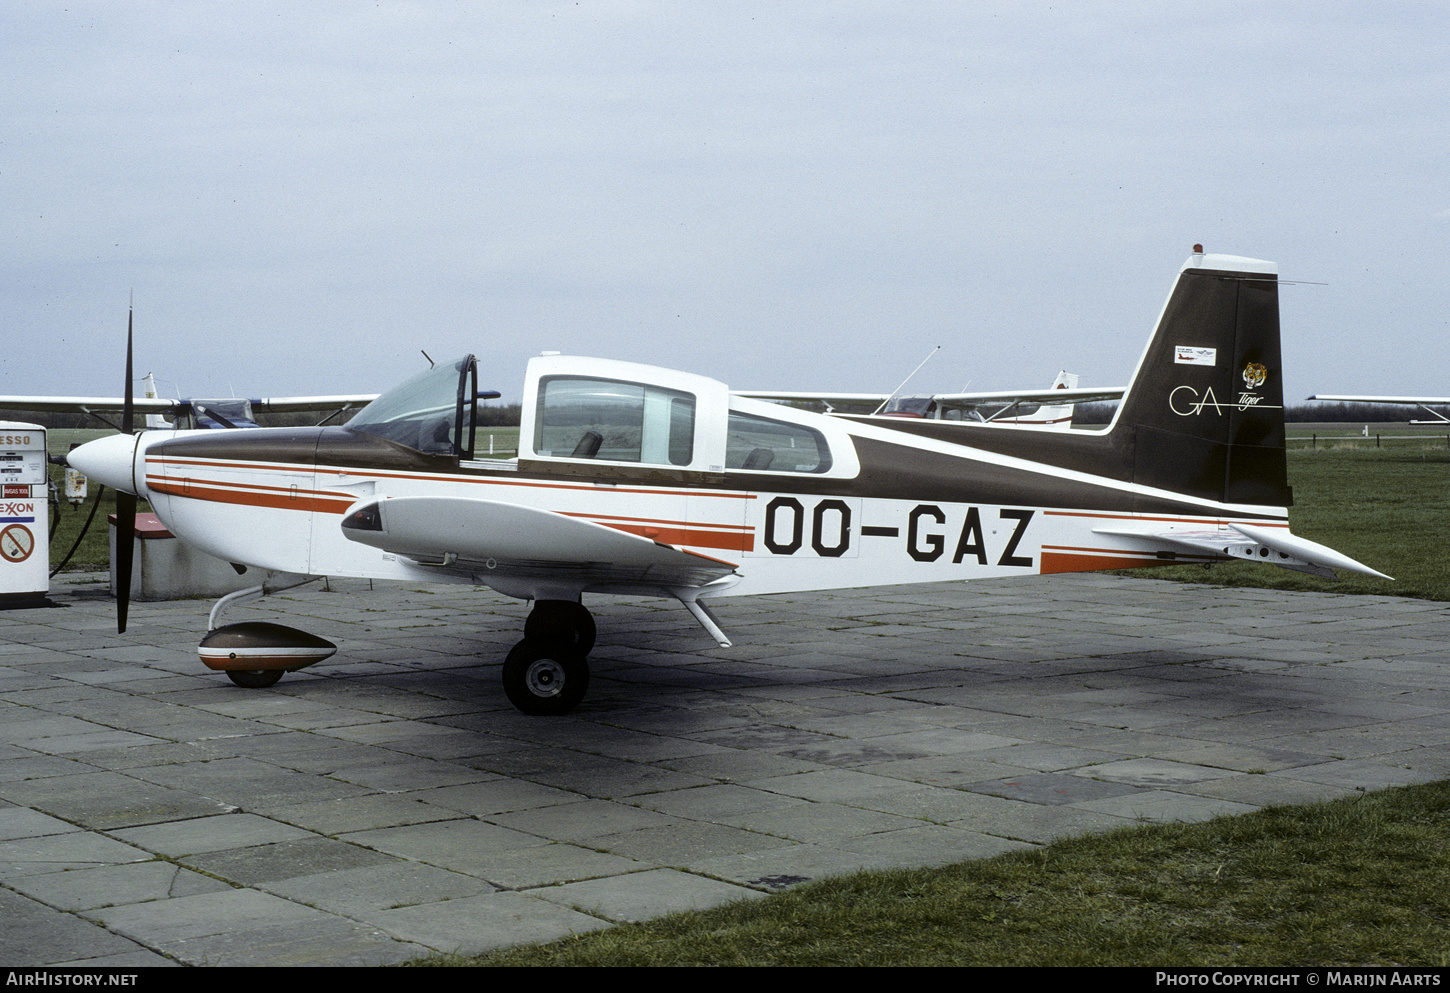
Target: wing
[(506, 545), (1425, 402), (84, 405), (145, 405), (1332, 398), (996, 398), (314, 403)]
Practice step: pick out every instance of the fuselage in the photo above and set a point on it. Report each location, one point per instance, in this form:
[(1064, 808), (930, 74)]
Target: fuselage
[(909, 506)]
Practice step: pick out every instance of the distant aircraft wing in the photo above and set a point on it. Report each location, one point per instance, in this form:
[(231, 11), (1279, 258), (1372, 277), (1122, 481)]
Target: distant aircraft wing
[(995, 398), (1426, 402), (145, 405), (1052, 397), (506, 541), (82, 405), (1333, 398), (283, 404)]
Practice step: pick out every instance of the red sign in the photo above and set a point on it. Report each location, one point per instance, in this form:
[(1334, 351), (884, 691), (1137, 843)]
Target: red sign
[(13, 490), (16, 543)]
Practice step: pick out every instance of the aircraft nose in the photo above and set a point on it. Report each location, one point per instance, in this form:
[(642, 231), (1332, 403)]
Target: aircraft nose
[(110, 461)]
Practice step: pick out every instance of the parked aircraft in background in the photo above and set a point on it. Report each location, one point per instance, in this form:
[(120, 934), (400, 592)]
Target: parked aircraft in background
[(231, 412), (638, 480), (1043, 409), (1424, 402)]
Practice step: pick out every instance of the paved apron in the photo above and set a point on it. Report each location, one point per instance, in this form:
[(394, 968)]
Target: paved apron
[(389, 803)]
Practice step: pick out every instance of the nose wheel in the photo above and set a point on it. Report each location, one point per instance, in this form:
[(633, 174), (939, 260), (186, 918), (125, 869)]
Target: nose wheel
[(548, 672), (254, 679)]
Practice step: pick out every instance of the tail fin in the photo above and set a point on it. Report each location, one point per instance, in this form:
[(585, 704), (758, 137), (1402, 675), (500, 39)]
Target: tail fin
[(1205, 413), (154, 421), (1048, 417)]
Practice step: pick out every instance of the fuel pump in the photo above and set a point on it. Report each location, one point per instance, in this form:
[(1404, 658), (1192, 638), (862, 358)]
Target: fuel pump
[(24, 514)]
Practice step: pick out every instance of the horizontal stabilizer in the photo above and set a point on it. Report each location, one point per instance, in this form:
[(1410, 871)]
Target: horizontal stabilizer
[(1272, 546), (503, 540)]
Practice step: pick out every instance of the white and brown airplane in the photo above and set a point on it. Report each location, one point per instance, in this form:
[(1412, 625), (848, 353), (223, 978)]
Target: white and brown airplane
[(632, 479)]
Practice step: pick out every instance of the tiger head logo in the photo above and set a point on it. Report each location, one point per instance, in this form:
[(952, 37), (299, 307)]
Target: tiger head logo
[(1254, 375)]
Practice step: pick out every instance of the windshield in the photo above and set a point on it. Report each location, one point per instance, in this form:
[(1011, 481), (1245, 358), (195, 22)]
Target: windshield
[(424, 412)]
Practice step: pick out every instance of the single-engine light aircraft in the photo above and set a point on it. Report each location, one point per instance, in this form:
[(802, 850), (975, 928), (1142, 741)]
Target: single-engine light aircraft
[(638, 480)]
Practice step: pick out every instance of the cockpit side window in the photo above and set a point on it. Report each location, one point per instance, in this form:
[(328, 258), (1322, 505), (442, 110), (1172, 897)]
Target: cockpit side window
[(765, 445), (614, 421)]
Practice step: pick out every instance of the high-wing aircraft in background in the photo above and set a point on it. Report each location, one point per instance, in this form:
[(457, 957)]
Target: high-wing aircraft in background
[(638, 480), (231, 412), (1049, 409), (1425, 402)]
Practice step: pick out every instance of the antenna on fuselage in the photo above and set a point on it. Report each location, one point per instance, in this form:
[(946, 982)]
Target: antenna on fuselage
[(429, 358), (906, 380)]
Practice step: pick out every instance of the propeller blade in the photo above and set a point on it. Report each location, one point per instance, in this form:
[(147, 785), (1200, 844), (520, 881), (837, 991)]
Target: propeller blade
[(125, 503), (128, 411), (125, 554)]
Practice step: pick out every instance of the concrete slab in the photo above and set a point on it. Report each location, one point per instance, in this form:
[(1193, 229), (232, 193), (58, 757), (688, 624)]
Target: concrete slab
[(389, 803)]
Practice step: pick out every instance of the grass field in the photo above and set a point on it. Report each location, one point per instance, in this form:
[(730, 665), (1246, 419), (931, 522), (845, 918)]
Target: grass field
[(1360, 881)]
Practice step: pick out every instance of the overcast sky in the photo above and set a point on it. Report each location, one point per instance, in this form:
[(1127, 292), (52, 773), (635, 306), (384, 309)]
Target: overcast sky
[(779, 195)]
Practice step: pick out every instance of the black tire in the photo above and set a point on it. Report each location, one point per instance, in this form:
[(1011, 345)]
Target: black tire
[(543, 682), (565, 624), (255, 679)]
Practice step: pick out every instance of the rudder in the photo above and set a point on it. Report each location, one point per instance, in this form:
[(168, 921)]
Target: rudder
[(1206, 408)]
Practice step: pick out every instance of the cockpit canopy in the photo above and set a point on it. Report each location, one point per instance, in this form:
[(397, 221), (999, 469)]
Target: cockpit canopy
[(434, 412), (222, 413)]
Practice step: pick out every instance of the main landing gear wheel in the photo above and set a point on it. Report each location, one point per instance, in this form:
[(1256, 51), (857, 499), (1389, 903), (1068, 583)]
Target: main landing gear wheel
[(543, 681), (565, 623), (254, 679), (548, 672)]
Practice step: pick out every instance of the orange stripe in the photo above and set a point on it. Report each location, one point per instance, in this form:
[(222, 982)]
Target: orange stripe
[(276, 497), (443, 477), (257, 487), (281, 500), (1205, 556), (1054, 562)]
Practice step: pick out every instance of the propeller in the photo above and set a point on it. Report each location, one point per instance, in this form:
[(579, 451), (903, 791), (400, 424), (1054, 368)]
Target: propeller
[(125, 502)]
